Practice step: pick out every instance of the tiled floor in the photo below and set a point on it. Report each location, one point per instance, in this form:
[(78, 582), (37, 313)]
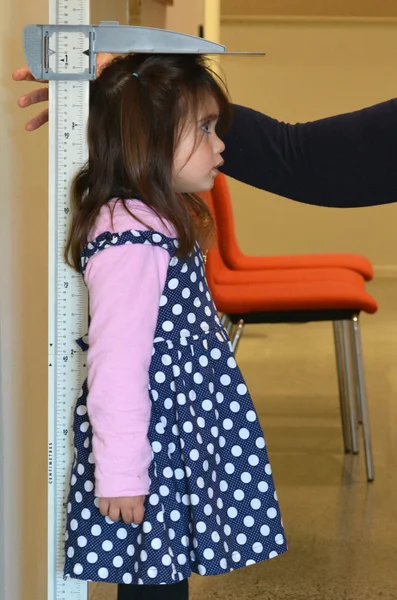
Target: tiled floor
[(342, 531)]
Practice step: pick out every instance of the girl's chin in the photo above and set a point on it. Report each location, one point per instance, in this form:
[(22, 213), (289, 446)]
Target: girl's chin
[(196, 189)]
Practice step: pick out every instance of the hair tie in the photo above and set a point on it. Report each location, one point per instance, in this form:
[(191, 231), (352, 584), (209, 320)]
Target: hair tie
[(135, 75)]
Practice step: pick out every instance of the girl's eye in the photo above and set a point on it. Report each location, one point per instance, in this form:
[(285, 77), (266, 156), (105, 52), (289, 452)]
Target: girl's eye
[(206, 127)]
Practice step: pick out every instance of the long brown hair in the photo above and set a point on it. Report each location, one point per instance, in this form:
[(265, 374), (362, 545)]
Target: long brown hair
[(138, 106)]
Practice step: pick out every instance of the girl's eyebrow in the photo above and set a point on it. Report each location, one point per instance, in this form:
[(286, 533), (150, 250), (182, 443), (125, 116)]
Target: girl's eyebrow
[(210, 117)]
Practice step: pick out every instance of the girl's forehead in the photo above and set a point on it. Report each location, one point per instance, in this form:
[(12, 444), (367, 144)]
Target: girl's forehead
[(209, 106)]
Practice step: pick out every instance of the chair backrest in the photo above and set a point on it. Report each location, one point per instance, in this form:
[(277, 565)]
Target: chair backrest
[(223, 211)]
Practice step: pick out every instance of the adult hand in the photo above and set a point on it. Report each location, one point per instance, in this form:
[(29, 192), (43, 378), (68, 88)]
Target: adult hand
[(41, 94), (34, 97)]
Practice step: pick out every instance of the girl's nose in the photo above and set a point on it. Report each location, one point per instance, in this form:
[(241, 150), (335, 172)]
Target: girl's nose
[(219, 146)]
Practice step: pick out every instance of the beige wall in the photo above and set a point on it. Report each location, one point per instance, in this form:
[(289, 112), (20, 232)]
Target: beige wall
[(181, 16), (103, 10), (345, 8), (312, 70), (153, 14), (185, 16), (23, 222)]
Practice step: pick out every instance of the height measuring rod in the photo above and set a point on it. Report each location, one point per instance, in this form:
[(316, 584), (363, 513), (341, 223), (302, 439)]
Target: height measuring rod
[(65, 54)]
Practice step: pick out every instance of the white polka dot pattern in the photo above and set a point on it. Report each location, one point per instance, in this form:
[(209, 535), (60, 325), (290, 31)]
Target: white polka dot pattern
[(212, 506)]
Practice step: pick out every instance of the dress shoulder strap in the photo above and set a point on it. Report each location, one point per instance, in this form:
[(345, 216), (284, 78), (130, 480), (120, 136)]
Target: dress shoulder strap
[(131, 236)]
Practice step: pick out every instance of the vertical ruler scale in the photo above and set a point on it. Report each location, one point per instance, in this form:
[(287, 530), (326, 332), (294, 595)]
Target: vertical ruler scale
[(68, 102)]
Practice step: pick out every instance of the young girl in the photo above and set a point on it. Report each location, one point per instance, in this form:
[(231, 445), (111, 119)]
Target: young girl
[(171, 474)]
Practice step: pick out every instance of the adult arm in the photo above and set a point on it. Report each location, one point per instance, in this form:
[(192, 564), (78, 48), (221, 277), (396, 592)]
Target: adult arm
[(348, 160)]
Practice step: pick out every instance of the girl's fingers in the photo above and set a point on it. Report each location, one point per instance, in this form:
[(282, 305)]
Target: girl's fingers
[(37, 121), (128, 515), (139, 513), (104, 507), (114, 513)]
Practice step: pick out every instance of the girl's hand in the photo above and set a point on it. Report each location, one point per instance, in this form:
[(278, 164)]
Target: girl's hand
[(131, 509), (41, 94)]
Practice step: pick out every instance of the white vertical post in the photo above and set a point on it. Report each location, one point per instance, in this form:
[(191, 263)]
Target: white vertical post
[(68, 113)]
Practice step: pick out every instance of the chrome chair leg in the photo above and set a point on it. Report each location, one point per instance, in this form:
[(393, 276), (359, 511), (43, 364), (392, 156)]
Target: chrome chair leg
[(358, 404), (229, 326), (237, 335), (347, 351), (359, 367), (344, 412), (232, 333), (356, 381)]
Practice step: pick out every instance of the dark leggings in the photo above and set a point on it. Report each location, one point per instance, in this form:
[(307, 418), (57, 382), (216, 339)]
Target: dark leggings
[(177, 591)]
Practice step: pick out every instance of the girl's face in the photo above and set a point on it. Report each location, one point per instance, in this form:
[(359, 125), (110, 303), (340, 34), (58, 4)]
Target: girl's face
[(198, 154)]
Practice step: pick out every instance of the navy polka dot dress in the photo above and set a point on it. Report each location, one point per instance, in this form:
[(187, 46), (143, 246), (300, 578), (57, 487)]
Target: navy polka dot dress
[(212, 506)]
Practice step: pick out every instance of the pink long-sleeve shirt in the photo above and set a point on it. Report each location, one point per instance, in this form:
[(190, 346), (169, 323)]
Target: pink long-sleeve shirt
[(124, 285)]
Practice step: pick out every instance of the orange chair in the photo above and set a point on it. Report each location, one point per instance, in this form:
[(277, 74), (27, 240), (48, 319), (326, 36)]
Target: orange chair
[(302, 295), (236, 260), (224, 275)]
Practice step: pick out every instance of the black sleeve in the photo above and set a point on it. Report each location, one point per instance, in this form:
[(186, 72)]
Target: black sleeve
[(343, 161)]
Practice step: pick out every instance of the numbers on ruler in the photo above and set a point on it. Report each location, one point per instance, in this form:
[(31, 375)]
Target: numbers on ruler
[(68, 50)]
